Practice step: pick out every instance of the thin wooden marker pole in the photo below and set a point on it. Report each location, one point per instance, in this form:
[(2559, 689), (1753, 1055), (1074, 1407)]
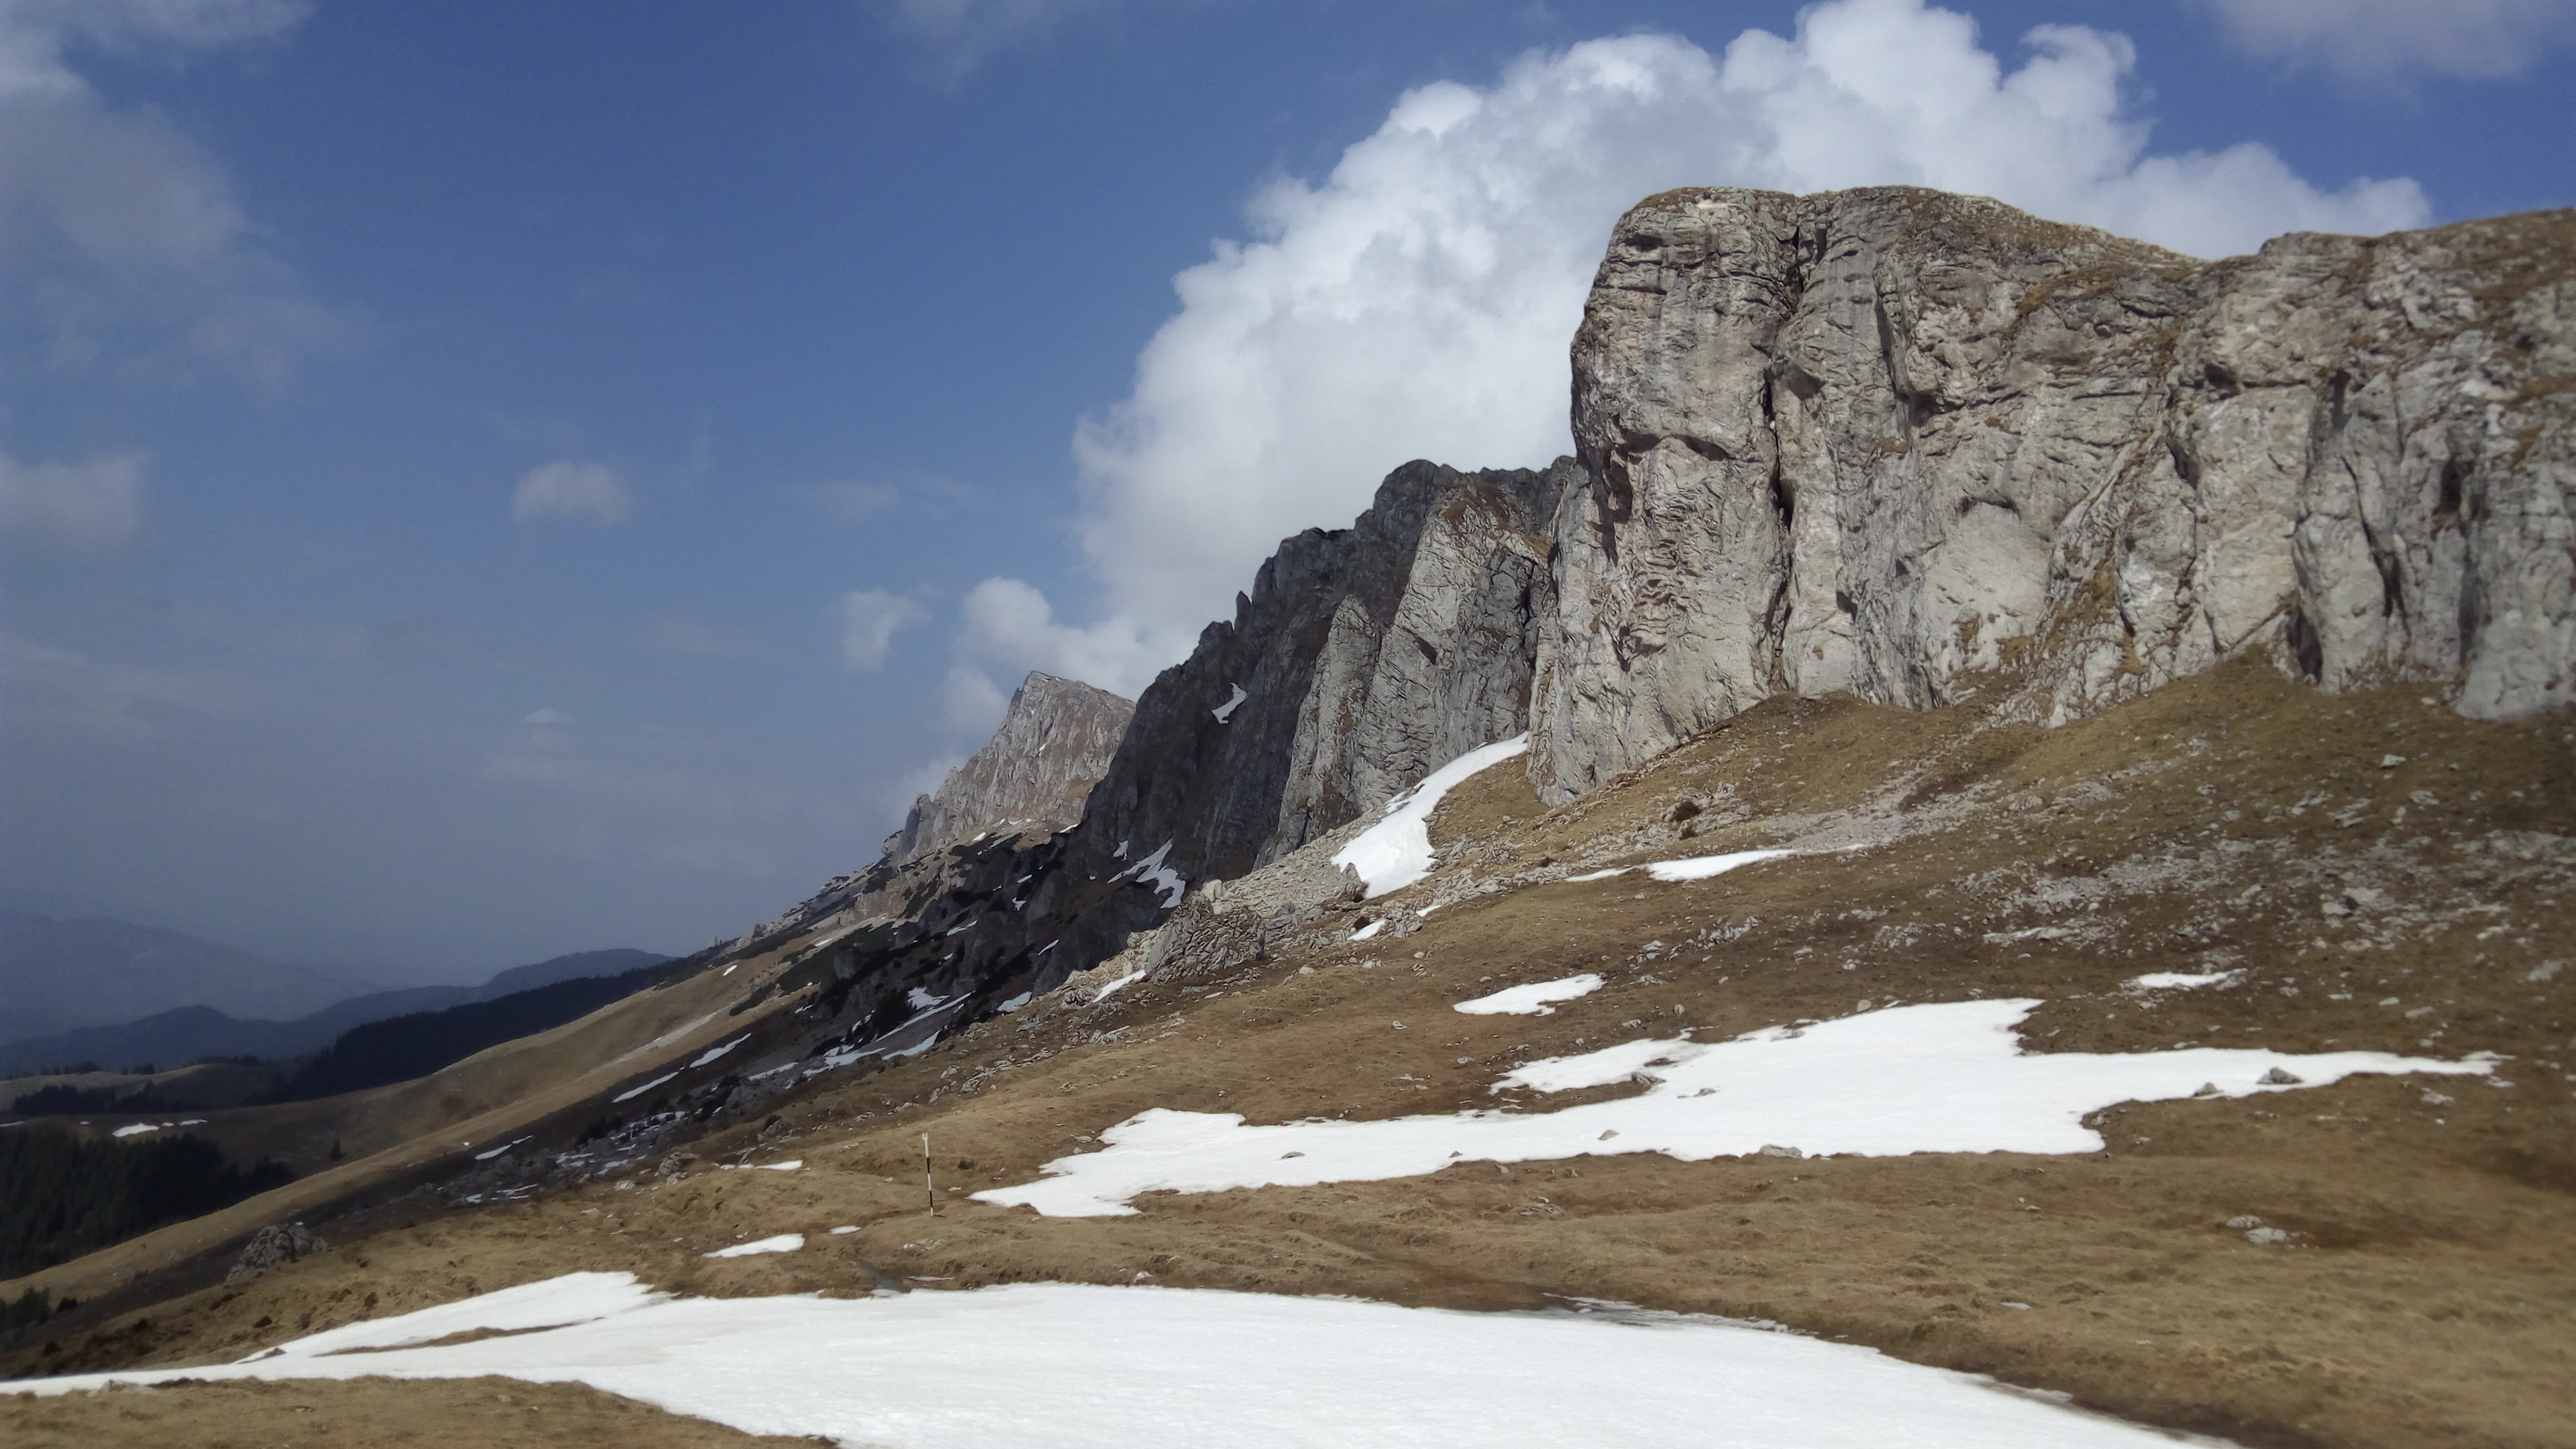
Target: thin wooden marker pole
[(929, 1188)]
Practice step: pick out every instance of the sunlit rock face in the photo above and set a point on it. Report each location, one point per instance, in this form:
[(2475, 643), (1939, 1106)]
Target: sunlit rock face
[(1054, 741), (1907, 444)]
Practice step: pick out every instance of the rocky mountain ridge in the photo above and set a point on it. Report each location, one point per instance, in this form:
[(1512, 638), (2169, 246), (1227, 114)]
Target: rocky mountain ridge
[(1054, 741)]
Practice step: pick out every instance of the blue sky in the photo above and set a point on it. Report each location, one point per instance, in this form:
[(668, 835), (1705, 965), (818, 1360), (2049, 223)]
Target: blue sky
[(480, 480)]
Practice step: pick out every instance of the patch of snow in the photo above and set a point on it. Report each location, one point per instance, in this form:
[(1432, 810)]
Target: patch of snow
[(497, 1151), (773, 1071), (554, 1303), (1102, 994), (1225, 711), (783, 1243), (2177, 980), (714, 1052), (852, 1228), (1152, 872), (1591, 1069), (1371, 929), (633, 1092), (920, 1000), (1015, 1003), (1598, 874), (1396, 851), (1079, 1366), (1940, 1077), (790, 1165), (1701, 867), (136, 1129), (1531, 1000)]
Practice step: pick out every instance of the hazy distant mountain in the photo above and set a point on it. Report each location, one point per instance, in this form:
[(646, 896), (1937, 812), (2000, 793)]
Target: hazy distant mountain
[(56, 975), (183, 1034)]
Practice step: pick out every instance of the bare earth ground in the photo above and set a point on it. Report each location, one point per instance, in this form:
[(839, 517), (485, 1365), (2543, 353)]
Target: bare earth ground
[(2231, 822)]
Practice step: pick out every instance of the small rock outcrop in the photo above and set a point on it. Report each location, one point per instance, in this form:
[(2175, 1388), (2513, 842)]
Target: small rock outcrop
[(1054, 741), (277, 1243), (1905, 444)]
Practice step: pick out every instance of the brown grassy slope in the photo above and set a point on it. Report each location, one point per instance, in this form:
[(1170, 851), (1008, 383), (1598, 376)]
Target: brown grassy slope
[(455, 1414), (2232, 821)]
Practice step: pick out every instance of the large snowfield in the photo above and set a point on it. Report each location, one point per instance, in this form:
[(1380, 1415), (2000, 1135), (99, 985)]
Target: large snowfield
[(1069, 1366), (1940, 1077)]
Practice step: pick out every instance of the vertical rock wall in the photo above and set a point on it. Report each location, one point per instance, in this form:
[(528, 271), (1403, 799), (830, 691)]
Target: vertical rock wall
[(1907, 444)]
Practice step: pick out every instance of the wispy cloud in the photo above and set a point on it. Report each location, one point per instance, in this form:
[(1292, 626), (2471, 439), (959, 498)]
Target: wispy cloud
[(570, 492), (95, 501), (120, 238), (869, 620), (2475, 39), (959, 35)]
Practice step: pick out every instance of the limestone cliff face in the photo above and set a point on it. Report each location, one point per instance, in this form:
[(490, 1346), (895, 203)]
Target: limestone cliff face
[(1903, 444), (1365, 658), (1054, 741)]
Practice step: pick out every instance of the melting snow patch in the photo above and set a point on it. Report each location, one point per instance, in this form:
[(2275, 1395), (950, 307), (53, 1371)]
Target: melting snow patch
[(1371, 929), (135, 1129), (920, 1000), (1152, 872), (1597, 874), (790, 1165), (1531, 1000), (1225, 711), (640, 1091), (1701, 867), (714, 1052), (1396, 851), (783, 1243), (1943, 1077), (1102, 994), (2177, 980), (497, 1151), (1090, 1367), (1015, 1003)]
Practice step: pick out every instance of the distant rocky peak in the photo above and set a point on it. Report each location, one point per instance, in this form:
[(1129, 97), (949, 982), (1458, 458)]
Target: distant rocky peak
[(1055, 741)]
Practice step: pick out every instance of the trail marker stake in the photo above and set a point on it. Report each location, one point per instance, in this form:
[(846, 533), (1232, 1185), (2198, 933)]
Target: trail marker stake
[(928, 1188)]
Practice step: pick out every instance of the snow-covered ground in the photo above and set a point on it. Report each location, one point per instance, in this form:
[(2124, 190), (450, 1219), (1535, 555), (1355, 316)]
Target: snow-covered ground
[(1072, 1366), (783, 1243), (1533, 1000), (1940, 1077), (1396, 851), (1701, 867)]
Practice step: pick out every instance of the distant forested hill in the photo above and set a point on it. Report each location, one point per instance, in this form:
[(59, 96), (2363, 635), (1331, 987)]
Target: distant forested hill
[(173, 1038), (404, 1047), (56, 975)]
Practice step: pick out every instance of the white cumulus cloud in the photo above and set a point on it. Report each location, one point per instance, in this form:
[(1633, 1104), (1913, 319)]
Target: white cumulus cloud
[(98, 500), (869, 620), (570, 491), (1417, 302), (2473, 38)]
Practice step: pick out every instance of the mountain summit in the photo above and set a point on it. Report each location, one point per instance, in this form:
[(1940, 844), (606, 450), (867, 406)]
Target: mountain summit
[(1054, 741)]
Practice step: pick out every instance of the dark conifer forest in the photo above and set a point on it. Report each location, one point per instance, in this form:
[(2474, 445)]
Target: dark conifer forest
[(62, 1195)]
